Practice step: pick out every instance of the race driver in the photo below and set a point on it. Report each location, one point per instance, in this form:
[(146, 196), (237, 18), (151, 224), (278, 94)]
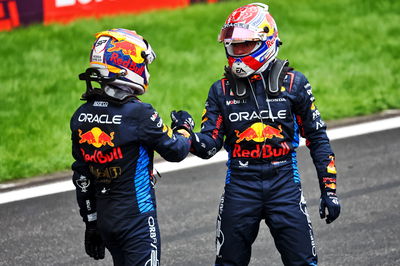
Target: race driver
[(114, 136), (258, 111)]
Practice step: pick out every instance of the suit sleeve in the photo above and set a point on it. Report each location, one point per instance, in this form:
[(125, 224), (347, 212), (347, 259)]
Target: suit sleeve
[(313, 129), (171, 145), (210, 139), (83, 181)]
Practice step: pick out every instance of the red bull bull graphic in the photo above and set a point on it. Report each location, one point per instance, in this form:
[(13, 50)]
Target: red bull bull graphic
[(96, 137), (331, 186), (127, 48), (258, 132), (331, 168), (329, 182)]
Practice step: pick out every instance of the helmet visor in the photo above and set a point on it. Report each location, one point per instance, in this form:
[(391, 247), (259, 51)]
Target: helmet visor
[(242, 48), (237, 34)]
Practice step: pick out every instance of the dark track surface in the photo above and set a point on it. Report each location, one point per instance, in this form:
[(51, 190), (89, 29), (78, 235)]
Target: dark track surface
[(48, 230)]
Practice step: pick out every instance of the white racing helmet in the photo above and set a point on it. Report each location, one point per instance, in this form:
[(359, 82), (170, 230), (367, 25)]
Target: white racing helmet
[(250, 23)]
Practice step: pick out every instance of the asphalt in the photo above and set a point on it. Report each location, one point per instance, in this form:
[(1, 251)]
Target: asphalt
[(48, 230)]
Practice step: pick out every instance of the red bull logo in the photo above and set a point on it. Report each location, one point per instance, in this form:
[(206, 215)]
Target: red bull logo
[(261, 151), (331, 186), (258, 132), (331, 168), (130, 64), (100, 157), (125, 47), (96, 137), (329, 182)]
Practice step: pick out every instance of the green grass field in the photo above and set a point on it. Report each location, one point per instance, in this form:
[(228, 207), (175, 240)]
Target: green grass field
[(348, 49)]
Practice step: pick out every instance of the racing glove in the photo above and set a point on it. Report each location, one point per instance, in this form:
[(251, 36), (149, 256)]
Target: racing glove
[(329, 200), (94, 244), (182, 120)]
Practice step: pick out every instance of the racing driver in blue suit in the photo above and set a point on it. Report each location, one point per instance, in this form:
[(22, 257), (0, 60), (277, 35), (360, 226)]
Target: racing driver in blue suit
[(258, 112), (114, 136)]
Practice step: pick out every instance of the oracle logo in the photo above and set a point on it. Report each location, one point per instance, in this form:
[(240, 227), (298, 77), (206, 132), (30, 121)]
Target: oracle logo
[(63, 3)]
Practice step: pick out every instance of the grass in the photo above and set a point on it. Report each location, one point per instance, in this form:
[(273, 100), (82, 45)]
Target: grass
[(348, 50)]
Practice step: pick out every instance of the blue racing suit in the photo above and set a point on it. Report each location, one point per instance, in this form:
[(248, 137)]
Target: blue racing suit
[(113, 147), (260, 133)]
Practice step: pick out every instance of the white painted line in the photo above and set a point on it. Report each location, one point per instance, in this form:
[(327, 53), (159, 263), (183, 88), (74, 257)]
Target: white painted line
[(192, 161), (33, 192), (364, 128)]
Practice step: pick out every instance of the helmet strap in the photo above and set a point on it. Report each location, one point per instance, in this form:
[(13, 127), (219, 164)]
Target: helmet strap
[(107, 91), (93, 74)]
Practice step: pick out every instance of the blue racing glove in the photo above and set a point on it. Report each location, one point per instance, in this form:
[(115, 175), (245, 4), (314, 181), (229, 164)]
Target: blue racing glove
[(94, 244), (329, 200), (182, 120)]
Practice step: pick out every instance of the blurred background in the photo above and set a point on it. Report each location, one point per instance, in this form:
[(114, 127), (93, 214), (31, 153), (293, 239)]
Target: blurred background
[(348, 49)]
